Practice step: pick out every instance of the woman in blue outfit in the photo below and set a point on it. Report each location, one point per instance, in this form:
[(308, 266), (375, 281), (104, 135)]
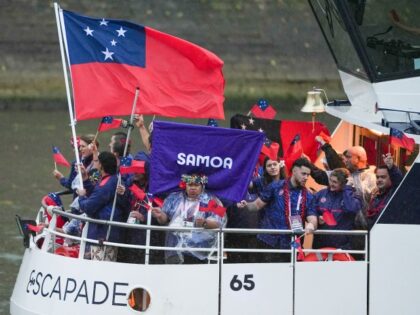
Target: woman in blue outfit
[(273, 171), (98, 205), (86, 157), (340, 201)]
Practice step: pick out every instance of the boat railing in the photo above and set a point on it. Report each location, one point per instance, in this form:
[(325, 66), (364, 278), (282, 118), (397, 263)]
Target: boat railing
[(217, 253)]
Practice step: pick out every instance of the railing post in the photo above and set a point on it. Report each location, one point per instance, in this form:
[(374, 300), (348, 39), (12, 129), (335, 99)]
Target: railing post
[(82, 247), (49, 239)]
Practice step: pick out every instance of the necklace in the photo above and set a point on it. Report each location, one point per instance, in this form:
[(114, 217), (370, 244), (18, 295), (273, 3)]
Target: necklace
[(288, 207)]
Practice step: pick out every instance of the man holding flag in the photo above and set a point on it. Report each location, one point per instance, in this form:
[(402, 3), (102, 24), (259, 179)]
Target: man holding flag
[(290, 207)]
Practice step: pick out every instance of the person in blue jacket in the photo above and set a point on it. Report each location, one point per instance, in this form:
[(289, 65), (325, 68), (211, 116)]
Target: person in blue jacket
[(98, 205), (388, 178), (288, 205), (342, 203)]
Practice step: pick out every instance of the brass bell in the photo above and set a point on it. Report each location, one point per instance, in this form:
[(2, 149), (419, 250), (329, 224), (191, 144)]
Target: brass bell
[(314, 103)]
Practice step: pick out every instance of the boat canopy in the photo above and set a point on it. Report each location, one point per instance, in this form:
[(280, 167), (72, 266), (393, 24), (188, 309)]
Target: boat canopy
[(376, 46), (376, 40)]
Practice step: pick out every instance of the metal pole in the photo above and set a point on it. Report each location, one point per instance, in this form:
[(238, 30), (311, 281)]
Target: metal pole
[(149, 222), (62, 39), (125, 153)]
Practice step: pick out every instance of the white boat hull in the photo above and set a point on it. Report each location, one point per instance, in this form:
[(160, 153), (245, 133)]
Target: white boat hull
[(51, 284)]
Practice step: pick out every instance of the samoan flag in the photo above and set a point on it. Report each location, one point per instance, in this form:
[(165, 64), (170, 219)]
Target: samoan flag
[(212, 122), (263, 110), (128, 165), (226, 156), (110, 59), (108, 123), (294, 151), (59, 157), (397, 137)]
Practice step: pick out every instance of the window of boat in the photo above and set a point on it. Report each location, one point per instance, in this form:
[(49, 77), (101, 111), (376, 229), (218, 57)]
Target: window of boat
[(390, 31), (139, 299), (337, 36), (384, 36)]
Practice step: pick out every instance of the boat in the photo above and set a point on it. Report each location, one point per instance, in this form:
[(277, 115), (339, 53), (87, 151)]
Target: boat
[(377, 55)]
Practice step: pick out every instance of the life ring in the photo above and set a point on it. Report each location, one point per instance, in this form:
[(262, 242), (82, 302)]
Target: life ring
[(68, 251), (328, 256)]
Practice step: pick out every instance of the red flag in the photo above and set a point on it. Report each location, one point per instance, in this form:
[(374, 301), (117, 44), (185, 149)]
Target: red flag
[(294, 151), (35, 228), (298, 246), (325, 137), (59, 158), (109, 59), (128, 165), (283, 132), (263, 110), (212, 206), (270, 149), (398, 138), (158, 202), (138, 192), (329, 218), (108, 122)]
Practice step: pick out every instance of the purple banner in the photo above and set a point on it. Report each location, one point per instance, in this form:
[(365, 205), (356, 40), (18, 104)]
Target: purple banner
[(226, 156)]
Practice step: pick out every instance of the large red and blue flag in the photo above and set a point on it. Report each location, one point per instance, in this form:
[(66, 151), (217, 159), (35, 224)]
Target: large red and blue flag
[(59, 157), (397, 137), (109, 59), (283, 132)]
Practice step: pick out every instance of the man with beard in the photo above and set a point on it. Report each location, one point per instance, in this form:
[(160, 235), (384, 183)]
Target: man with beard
[(388, 177), (288, 205)]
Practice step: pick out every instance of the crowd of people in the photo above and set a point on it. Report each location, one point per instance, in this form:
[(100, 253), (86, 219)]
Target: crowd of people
[(353, 198)]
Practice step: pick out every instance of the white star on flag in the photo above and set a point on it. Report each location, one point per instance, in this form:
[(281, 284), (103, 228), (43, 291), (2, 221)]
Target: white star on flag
[(108, 54), (260, 130), (251, 121), (121, 32), (113, 42), (104, 22), (243, 126), (88, 31)]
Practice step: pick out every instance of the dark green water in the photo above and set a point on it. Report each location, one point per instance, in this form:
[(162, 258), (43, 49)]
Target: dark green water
[(26, 172)]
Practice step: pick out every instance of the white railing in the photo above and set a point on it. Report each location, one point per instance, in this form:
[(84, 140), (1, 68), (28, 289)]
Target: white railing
[(50, 233)]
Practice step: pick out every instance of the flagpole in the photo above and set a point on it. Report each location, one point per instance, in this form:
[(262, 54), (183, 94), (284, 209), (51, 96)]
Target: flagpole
[(125, 153), (55, 165), (60, 27), (149, 222), (96, 136)]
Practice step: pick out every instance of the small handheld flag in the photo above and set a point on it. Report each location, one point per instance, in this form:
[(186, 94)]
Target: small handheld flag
[(325, 137), (212, 122), (270, 149), (329, 218), (108, 122), (59, 158), (212, 206), (398, 138), (263, 110), (158, 202), (35, 228), (296, 244), (138, 192), (128, 165), (294, 151)]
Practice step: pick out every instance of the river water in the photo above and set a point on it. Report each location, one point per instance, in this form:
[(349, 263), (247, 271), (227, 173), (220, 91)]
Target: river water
[(26, 172)]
